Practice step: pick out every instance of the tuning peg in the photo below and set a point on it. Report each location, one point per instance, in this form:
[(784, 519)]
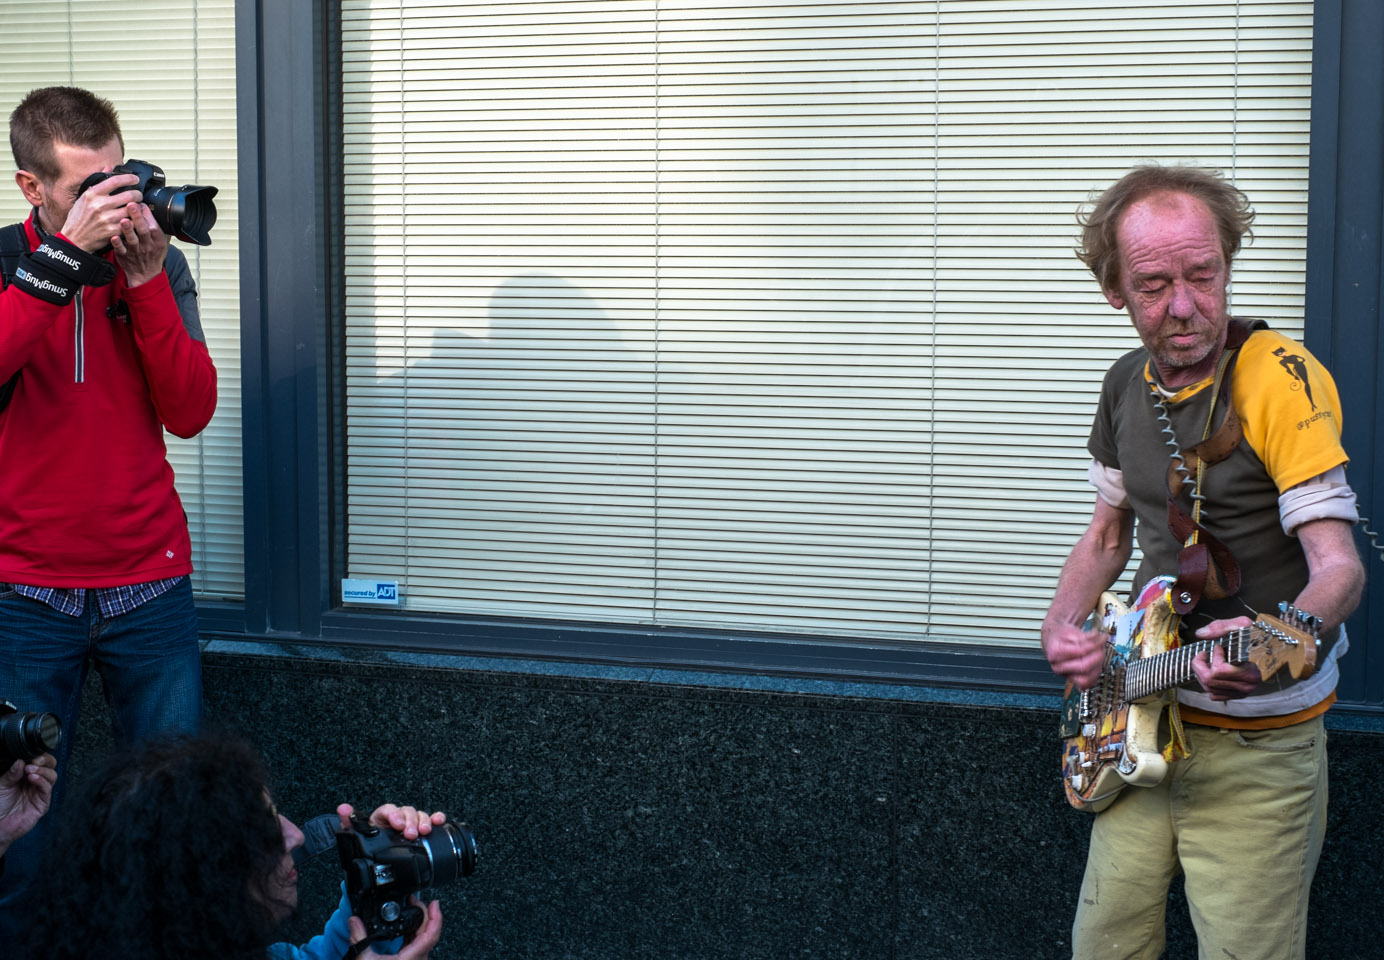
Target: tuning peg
[(1305, 620)]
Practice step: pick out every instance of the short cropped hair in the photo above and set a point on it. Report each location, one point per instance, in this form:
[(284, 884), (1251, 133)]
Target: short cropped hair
[(1100, 219), (52, 115), (165, 852)]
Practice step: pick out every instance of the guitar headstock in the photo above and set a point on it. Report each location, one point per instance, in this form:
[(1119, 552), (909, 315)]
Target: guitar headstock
[(1287, 641)]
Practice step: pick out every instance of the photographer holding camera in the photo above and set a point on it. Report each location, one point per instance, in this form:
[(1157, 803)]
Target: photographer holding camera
[(101, 350), (175, 850)]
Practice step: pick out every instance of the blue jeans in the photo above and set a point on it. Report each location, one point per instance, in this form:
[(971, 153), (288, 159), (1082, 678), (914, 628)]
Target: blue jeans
[(151, 672)]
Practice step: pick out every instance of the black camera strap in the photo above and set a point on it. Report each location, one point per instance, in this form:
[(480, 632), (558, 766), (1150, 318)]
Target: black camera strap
[(55, 273), (356, 949), (319, 836), (58, 270), (14, 243)]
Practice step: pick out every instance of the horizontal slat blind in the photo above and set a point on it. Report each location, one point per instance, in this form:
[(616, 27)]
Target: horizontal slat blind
[(765, 315), (500, 340), (1039, 103), (177, 111), (796, 331)]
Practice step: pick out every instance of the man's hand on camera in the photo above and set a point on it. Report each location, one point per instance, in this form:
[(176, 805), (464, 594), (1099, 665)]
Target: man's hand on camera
[(423, 940), (409, 821), (140, 246), (96, 214), (26, 789)]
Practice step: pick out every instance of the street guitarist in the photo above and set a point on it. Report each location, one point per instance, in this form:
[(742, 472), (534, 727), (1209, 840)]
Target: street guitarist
[(1219, 442)]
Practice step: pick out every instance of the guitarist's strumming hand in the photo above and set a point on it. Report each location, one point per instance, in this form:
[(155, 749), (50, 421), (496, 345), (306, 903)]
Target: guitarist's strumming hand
[(1222, 680), (1077, 654)]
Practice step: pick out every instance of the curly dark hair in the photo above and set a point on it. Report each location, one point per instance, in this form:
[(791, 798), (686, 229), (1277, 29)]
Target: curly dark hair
[(51, 115), (164, 852), (1100, 219)]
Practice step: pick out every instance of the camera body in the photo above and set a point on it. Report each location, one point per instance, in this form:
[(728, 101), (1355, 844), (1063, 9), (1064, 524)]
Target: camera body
[(24, 736), (185, 212), (383, 869)]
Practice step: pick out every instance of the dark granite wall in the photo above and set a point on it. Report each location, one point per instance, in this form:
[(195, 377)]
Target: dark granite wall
[(622, 814)]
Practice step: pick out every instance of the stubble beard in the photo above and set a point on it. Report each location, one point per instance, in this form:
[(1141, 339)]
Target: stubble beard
[(1171, 359)]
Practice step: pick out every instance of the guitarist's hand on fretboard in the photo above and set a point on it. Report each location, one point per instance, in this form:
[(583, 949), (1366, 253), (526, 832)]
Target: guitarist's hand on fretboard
[(1222, 680)]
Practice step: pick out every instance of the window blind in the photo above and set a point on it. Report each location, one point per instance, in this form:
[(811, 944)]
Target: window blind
[(765, 315), (177, 111)]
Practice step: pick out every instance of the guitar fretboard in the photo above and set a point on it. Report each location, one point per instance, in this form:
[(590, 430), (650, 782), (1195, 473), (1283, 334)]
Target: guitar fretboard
[(1163, 671)]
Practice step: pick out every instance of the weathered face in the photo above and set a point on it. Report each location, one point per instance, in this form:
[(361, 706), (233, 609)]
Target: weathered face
[(55, 198), (1172, 280)]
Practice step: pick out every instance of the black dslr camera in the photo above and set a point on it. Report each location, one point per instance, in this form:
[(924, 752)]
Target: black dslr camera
[(184, 212), (24, 736), (383, 869)]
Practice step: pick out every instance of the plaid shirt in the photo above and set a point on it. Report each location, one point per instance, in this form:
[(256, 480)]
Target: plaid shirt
[(113, 601)]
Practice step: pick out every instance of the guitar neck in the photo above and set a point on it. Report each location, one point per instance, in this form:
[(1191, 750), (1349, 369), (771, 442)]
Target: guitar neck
[(1163, 671)]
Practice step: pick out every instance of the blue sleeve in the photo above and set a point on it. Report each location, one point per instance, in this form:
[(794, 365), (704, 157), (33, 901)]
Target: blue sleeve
[(330, 944)]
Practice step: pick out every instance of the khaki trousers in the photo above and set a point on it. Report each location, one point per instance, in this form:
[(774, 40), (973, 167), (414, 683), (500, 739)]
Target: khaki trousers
[(1243, 818)]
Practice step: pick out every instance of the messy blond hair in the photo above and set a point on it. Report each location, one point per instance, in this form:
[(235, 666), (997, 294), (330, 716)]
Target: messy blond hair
[(1100, 217)]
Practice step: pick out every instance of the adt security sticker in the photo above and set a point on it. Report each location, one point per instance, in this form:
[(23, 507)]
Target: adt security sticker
[(383, 592)]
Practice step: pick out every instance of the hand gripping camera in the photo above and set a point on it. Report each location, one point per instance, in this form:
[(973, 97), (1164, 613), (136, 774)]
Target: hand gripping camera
[(383, 869), (24, 736), (184, 212)]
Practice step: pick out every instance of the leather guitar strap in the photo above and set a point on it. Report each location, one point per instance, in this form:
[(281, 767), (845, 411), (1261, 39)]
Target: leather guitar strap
[(1205, 565)]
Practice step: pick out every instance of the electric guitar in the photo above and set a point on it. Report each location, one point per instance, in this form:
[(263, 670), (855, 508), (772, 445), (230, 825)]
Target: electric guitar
[(1111, 730)]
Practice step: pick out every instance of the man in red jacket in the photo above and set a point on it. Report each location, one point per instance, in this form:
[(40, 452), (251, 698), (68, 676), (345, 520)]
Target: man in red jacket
[(101, 350)]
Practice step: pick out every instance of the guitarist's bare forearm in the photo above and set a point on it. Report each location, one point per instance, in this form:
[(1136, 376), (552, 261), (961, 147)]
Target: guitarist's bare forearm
[(1332, 597), (1096, 561), (1336, 578), (1083, 580)]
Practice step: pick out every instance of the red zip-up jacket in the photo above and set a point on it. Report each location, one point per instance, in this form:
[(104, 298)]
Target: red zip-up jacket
[(86, 490)]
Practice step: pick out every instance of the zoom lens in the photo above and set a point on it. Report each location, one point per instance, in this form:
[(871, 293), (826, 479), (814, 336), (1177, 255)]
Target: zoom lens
[(24, 736), (451, 853)]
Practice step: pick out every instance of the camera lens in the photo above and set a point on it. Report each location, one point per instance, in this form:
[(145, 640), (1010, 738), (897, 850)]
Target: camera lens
[(451, 853), (186, 212), (24, 736)]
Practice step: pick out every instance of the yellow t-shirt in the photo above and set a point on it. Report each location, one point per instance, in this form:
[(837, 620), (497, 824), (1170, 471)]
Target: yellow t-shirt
[(1288, 407), (1291, 416)]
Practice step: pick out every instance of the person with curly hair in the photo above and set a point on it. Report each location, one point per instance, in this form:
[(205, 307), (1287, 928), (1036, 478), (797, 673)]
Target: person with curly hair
[(175, 850)]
